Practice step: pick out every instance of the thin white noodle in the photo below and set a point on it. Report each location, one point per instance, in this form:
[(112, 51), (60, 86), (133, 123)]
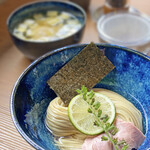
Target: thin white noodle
[(67, 137)]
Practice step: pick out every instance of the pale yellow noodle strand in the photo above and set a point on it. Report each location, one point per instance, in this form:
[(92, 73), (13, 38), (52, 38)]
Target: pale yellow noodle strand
[(124, 109), (67, 137), (57, 119)]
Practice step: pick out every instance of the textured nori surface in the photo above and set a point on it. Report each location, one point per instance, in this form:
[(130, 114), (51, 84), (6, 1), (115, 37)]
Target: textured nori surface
[(86, 68)]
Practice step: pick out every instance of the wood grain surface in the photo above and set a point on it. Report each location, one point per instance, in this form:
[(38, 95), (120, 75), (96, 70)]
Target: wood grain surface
[(12, 63)]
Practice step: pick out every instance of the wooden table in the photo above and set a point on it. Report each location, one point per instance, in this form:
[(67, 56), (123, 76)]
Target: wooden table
[(12, 63)]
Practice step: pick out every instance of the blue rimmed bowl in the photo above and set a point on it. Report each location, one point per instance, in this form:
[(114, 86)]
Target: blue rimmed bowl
[(34, 49), (31, 94)]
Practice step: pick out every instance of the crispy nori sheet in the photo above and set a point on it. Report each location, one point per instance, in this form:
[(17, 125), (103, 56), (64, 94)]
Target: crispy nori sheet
[(86, 68)]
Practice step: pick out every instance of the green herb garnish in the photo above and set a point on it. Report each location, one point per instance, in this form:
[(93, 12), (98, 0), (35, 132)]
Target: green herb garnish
[(102, 121)]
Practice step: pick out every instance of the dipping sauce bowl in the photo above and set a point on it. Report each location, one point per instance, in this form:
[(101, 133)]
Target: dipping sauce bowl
[(39, 27)]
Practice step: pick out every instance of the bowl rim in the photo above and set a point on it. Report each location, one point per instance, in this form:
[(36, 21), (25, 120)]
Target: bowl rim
[(38, 60), (47, 1)]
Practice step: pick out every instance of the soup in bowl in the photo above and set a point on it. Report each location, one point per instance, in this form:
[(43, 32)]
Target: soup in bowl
[(42, 26)]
